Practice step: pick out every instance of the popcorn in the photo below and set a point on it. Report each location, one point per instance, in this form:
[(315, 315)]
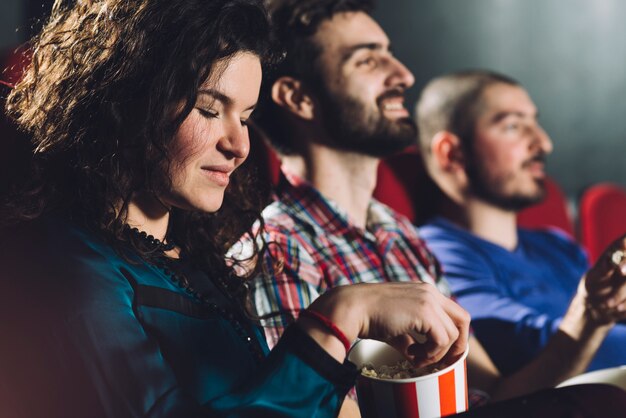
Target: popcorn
[(391, 386), (403, 369)]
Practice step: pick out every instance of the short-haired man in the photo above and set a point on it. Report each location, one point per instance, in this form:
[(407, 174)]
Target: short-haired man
[(337, 107), (484, 147)]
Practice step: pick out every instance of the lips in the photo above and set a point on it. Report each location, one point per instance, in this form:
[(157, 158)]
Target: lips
[(536, 165), (220, 175), (392, 103)]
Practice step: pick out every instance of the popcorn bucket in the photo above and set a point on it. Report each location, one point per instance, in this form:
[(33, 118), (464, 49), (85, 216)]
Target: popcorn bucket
[(433, 395)]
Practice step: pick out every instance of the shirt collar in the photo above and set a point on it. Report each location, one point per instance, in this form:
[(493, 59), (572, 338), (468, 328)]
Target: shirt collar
[(313, 207)]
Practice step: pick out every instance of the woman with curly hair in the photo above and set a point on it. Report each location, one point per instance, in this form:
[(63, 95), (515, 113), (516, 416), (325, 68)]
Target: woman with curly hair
[(116, 297)]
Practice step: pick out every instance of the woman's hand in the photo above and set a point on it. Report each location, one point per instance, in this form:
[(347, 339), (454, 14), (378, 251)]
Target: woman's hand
[(413, 317)]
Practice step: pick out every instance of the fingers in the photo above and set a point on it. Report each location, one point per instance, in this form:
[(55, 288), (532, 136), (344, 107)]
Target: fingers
[(605, 283), (618, 257), (612, 306), (613, 259), (431, 327), (440, 340), (462, 319), (603, 288)]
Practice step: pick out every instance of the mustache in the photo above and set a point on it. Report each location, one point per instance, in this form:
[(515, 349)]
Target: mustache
[(539, 157), (395, 92)]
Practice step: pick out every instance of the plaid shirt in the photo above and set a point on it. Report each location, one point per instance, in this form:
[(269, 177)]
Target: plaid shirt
[(315, 247)]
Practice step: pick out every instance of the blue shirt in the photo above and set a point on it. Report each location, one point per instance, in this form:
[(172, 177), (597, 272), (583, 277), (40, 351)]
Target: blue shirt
[(516, 298)]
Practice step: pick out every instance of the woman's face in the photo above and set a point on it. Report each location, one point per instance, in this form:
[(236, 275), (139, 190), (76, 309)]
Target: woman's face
[(213, 140)]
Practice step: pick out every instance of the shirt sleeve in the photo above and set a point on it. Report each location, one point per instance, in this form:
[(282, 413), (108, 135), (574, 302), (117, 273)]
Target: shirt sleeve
[(293, 382), (290, 282)]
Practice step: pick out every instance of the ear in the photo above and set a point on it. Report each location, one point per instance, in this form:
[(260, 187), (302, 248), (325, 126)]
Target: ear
[(447, 152), (290, 94)]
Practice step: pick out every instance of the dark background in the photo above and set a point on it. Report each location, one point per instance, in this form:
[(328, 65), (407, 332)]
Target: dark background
[(570, 55)]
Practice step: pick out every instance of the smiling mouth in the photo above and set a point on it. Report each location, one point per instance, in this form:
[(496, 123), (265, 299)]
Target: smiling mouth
[(392, 103), (393, 106), (219, 177), (394, 109)]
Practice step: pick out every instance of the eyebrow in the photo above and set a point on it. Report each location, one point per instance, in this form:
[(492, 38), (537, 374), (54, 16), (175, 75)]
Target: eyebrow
[(503, 115), (372, 46), (217, 95)]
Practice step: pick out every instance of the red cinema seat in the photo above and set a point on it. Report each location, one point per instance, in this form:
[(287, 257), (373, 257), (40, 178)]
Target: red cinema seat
[(404, 185), (393, 191), (551, 212), (602, 214)]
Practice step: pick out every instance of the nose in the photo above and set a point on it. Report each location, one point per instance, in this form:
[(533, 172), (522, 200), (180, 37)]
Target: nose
[(542, 140), (235, 143), (399, 74)]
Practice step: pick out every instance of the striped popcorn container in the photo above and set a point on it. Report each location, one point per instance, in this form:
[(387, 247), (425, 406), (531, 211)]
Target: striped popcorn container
[(434, 395)]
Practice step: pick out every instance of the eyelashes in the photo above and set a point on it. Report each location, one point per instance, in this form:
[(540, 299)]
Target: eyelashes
[(207, 113), (211, 114)]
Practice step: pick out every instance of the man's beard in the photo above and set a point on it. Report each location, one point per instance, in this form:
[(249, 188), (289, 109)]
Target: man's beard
[(351, 127), (490, 190)]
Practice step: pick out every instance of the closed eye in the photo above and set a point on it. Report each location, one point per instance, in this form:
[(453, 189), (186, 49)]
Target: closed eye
[(208, 113)]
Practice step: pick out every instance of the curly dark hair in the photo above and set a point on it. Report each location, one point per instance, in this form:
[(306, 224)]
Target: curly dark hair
[(294, 22), (101, 101)]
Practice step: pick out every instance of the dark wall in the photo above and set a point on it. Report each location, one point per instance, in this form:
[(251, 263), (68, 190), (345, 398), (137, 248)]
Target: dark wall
[(10, 18), (20, 19), (570, 55)]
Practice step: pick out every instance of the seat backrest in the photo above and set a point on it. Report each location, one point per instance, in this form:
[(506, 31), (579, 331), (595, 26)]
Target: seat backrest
[(393, 184), (551, 212), (602, 214), (404, 185)]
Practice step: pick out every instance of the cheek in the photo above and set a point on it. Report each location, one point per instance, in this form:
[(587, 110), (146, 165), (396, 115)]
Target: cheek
[(363, 92), (354, 88), (499, 151), (517, 155), (495, 157), (187, 141)]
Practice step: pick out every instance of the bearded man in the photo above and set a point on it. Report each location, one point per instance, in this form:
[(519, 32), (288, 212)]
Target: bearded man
[(483, 145)]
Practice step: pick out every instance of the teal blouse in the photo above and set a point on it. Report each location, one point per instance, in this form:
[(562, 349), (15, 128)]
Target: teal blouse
[(86, 333)]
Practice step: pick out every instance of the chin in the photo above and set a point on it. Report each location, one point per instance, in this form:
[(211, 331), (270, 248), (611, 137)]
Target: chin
[(209, 207), (206, 206), (197, 199), (539, 190)]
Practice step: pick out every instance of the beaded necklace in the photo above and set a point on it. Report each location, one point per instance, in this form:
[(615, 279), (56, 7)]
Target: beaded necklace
[(166, 264), (152, 243)]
